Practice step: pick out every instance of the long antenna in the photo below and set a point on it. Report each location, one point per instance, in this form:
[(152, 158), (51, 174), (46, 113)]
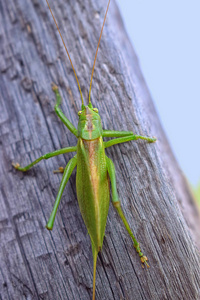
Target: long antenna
[(66, 51), (97, 51)]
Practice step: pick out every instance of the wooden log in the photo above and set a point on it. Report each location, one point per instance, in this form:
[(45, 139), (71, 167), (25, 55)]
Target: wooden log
[(36, 263)]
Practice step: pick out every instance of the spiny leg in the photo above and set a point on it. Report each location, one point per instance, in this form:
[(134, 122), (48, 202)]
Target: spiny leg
[(45, 156), (59, 112), (67, 173), (127, 139), (116, 203)]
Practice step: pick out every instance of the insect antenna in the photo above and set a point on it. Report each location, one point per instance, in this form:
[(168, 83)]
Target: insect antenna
[(66, 51), (97, 51)]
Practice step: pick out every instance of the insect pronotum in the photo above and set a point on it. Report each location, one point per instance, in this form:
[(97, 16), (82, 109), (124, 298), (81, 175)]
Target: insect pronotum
[(93, 167)]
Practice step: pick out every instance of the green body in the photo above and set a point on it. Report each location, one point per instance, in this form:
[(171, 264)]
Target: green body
[(93, 188)]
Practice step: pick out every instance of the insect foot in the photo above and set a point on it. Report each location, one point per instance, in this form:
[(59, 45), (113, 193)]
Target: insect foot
[(144, 261), (54, 87), (60, 170), (143, 258), (16, 165)]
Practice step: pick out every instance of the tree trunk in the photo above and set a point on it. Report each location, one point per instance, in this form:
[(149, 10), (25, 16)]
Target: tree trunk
[(36, 263)]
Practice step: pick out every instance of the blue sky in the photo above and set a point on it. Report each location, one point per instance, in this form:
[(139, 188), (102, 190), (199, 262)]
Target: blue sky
[(166, 38)]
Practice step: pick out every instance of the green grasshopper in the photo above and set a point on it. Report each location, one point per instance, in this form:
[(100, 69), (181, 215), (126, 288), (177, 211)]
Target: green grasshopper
[(93, 167)]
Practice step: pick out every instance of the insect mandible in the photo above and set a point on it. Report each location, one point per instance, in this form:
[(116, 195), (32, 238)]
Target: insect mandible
[(94, 168)]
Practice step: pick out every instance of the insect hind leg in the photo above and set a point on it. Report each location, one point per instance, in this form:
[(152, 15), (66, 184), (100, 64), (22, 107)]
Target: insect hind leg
[(117, 205)]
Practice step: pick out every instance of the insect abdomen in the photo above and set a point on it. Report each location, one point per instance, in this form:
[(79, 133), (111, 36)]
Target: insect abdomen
[(93, 187)]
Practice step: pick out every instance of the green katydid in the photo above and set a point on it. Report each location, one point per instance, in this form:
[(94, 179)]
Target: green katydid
[(93, 167)]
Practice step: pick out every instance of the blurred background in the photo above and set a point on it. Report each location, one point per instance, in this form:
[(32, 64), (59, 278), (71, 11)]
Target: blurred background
[(166, 38)]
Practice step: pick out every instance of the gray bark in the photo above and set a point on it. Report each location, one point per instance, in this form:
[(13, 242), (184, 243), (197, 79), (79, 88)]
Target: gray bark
[(36, 263)]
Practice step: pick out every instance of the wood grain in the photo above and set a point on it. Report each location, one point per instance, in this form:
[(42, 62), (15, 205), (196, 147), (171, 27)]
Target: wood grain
[(35, 263)]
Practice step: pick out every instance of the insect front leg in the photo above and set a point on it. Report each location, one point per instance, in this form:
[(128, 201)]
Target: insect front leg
[(45, 156), (127, 139), (67, 173), (60, 114), (127, 135), (116, 203)]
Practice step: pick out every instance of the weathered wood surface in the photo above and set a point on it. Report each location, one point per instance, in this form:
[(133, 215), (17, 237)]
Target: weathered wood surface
[(35, 263)]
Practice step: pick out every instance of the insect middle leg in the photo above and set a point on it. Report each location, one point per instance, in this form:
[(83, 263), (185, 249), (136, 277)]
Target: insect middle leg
[(67, 173), (45, 156), (116, 203)]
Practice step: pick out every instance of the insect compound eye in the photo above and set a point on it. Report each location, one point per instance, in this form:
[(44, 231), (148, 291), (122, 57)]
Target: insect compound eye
[(96, 110), (79, 113)]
